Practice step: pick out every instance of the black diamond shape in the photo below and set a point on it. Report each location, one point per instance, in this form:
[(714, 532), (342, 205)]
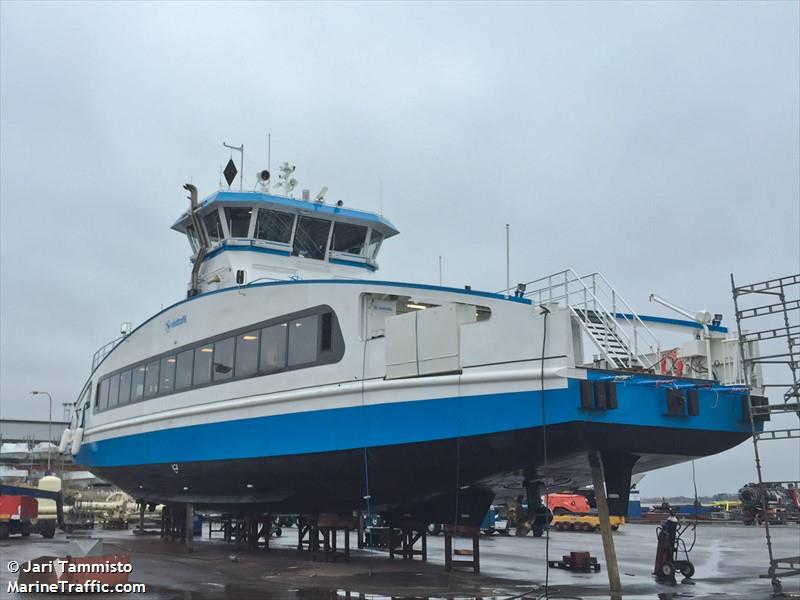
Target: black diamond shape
[(230, 172)]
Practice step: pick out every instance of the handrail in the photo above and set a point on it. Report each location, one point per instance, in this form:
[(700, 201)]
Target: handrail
[(588, 293), (104, 351)]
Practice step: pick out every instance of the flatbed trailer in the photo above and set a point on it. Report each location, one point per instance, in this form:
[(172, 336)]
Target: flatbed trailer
[(583, 522)]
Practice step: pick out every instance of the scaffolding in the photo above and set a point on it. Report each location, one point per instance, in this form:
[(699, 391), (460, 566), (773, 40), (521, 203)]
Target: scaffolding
[(771, 324)]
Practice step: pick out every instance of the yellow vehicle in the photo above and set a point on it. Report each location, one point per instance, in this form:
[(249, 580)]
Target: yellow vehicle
[(576, 522)]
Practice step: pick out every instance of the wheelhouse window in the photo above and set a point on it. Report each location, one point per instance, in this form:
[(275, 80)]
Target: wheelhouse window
[(274, 226), (374, 244), (303, 340), (238, 220), (192, 235), (311, 238), (223, 359), (213, 226), (348, 238)]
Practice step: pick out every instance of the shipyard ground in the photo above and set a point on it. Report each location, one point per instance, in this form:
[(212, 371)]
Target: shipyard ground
[(729, 559)]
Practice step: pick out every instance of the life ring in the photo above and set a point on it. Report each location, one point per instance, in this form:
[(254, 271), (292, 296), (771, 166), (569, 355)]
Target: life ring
[(672, 364)]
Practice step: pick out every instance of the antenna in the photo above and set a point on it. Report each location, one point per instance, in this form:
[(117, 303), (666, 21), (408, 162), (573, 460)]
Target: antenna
[(380, 197), (269, 152), (508, 260), (440, 270)]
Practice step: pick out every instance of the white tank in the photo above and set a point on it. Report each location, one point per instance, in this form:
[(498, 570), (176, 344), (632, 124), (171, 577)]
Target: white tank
[(47, 508)]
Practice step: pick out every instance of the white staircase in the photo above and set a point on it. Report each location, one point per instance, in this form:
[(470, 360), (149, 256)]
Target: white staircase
[(617, 332)]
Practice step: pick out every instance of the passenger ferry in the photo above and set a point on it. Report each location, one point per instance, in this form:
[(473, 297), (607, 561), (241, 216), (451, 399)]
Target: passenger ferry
[(291, 379)]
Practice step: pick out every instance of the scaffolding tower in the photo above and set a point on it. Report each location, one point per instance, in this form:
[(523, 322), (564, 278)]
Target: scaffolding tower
[(769, 322)]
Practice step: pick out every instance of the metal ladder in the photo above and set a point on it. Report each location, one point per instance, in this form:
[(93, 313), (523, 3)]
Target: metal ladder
[(782, 327), (611, 324)]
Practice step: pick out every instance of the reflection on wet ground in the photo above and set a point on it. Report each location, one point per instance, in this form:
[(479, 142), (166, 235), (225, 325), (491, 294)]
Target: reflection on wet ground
[(729, 560)]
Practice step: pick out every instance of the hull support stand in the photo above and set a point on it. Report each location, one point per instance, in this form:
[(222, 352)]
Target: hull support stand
[(189, 527), (612, 568), (474, 562)]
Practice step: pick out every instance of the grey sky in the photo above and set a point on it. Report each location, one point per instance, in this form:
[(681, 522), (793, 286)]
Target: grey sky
[(658, 143)]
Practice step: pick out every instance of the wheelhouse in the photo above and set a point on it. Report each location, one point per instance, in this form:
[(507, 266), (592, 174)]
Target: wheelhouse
[(286, 227)]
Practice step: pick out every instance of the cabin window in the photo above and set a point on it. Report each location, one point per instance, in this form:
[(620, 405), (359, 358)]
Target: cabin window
[(213, 226), (124, 387), (223, 359), (247, 354), (273, 348), (311, 338), (183, 370), (311, 238), (113, 391), (374, 244), (348, 238), (137, 383), (238, 220), (102, 394), (151, 379), (274, 226), (192, 235), (167, 380), (326, 335), (303, 340), (203, 357)]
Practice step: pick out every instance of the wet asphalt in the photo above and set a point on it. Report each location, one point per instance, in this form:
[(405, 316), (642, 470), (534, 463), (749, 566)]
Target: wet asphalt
[(728, 561)]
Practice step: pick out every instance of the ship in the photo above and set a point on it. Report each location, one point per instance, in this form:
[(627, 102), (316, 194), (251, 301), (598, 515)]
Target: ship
[(291, 379)]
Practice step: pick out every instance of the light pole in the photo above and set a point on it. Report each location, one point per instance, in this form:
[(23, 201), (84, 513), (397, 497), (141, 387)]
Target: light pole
[(49, 425)]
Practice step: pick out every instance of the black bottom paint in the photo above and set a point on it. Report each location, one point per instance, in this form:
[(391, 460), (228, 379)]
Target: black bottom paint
[(427, 481)]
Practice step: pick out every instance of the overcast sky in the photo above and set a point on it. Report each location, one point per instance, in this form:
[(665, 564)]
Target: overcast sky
[(658, 143)]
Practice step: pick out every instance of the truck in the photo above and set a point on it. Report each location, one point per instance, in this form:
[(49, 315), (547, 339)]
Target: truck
[(20, 515)]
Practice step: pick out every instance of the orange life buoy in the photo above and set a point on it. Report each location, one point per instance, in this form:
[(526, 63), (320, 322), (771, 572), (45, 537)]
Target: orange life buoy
[(671, 364)]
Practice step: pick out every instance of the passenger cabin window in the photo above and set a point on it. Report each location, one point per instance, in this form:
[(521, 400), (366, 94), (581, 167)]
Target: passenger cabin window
[(125, 387), (238, 220), (213, 226), (311, 238), (183, 370), (166, 382), (374, 244), (301, 340), (348, 238), (274, 226), (137, 383), (247, 354), (273, 348), (223, 359), (113, 391), (151, 379), (102, 394), (203, 357)]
